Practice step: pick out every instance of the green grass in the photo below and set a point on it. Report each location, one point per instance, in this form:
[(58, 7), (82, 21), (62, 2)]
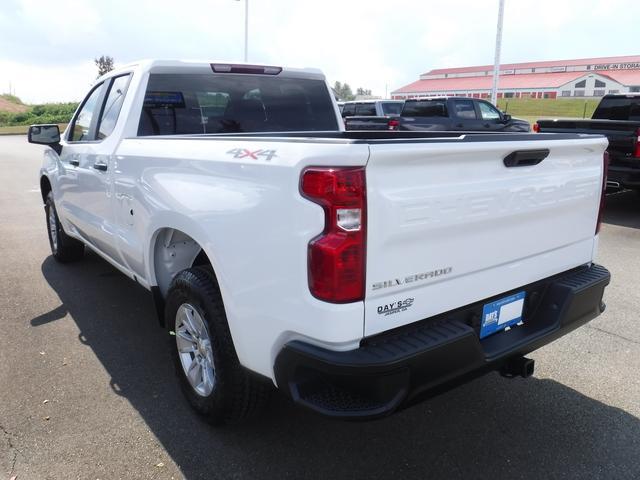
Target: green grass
[(525, 108), (14, 129), (532, 109), (22, 129), (34, 114)]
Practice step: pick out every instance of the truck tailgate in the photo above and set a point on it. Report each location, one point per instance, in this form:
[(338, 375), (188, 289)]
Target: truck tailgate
[(620, 133), (449, 224)]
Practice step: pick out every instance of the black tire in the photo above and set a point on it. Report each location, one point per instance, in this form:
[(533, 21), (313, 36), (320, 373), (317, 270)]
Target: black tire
[(63, 248), (237, 394)]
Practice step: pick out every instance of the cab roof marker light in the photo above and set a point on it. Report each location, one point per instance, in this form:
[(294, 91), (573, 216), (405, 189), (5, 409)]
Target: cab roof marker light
[(220, 68), (247, 69)]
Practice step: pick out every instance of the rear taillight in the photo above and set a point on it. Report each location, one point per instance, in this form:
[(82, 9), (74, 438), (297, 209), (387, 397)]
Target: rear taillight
[(536, 127), (605, 169), (636, 148), (393, 124), (336, 257)]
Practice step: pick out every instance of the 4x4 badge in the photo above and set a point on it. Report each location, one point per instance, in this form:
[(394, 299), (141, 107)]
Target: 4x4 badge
[(255, 154)]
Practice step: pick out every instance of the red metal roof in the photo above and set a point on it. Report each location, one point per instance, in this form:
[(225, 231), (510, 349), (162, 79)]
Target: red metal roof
[(552, 63), (625, 77), (522, 81), (529, 80)]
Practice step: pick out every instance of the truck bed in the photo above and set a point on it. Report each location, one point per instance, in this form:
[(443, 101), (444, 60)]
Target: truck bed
[(381, 136), (435, 201), (622, 135)]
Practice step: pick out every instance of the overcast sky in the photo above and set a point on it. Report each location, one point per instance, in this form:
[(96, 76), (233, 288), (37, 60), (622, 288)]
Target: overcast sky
[(47, 47)]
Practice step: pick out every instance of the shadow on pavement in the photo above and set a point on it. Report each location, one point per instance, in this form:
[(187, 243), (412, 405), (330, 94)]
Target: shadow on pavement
[(623, 209), (492, 427)]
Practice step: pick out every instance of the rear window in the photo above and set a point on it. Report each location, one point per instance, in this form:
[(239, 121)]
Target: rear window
[(618, 109), (203, 103), (348, 110), (425, 108), (366, 109), (391, 108)]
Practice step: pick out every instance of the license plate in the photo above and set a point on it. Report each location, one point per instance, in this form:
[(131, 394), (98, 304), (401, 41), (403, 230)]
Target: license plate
[(503, 313)]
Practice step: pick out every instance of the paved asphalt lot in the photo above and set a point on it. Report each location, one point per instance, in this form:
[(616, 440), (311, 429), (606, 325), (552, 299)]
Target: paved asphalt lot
[(87, 388)]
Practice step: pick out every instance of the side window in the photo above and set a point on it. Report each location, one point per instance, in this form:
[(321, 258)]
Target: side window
[(464, 109), (488, 112), (82, 125), (112, 106)]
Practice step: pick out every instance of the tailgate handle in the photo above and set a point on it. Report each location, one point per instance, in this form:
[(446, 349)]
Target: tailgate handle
[(525, 158)]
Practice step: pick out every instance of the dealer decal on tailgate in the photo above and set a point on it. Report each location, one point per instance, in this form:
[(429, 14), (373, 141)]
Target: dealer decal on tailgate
[(395, 307)]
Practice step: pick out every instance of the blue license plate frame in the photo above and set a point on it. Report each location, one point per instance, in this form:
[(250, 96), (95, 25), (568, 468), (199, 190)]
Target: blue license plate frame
[(502, 313)]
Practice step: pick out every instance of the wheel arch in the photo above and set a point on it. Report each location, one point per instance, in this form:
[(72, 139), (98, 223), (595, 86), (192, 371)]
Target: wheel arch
[(45, 187), (172, 249)]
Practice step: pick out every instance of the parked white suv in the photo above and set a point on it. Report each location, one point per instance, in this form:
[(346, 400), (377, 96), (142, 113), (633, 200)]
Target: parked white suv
[(352, 270)]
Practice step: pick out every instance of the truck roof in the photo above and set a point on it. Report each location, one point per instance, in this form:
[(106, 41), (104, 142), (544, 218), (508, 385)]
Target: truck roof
[(205, 66), (371, 101), (623, 95), (435, 97)]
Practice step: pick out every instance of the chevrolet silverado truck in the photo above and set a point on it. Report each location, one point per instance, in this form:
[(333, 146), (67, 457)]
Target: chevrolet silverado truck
[(618, 118), (354, 271)]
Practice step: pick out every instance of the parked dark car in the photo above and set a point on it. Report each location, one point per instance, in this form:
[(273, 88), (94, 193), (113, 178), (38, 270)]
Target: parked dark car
[(457, 113), (443, 114), (618, 118)]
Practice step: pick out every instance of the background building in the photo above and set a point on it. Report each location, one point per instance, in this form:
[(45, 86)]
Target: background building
[(587, 77)]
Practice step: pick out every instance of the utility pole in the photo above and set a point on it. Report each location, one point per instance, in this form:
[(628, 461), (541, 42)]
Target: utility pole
[(246, 30), (496, 58)]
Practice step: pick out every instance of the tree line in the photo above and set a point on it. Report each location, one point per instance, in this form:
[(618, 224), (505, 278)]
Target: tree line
[(344, 92)]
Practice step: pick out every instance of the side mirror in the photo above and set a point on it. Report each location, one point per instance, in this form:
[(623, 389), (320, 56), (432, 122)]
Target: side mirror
[(506, 117), (45, 135)]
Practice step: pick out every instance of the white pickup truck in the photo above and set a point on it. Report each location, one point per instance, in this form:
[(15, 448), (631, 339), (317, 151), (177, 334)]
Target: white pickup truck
[(354, 271)]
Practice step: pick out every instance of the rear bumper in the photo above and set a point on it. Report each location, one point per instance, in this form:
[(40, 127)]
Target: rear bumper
[(626, 177), (391, 370)]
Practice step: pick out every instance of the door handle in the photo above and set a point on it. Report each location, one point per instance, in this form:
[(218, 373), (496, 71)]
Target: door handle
[(487, 125), (459, 125), (75, 163), (525, 158), (102, 166)]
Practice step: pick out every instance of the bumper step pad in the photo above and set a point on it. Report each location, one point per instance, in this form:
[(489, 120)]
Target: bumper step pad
[(391, 369)]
